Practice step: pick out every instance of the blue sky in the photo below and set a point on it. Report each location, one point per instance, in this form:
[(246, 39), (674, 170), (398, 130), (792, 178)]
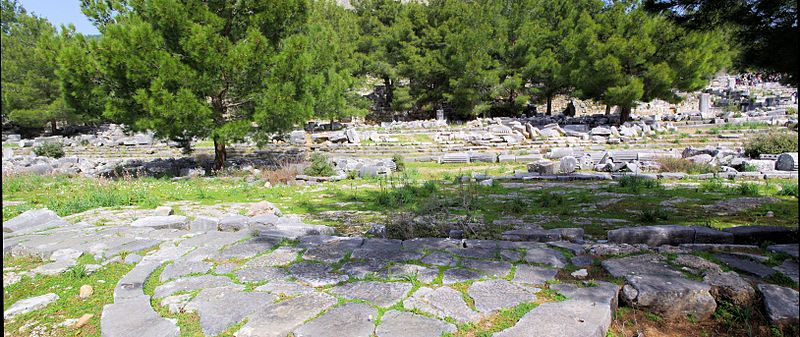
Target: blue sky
[(61, 12)]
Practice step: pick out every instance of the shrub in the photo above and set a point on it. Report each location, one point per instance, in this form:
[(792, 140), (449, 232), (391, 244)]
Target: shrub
[(320, 166), (667, 164), (285, 173), (636, 184), (747, 189), (54, 150), (771, 143), (788, 189), (398, 162), (653, 215), (747, 167)]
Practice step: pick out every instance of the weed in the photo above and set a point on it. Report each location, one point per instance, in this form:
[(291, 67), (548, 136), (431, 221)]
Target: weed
[(788, 189), (49, 149), (320, 166), (635, 184), (668, 164), (748, 189), (653, 215), (771, 143)]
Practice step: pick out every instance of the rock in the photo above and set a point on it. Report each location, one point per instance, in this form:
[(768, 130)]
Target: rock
[(568, 165), (652, 285), (494, 295), (132, 259), (352, 319), (786, 162), (586, 313), (260, 274), (405, 324), (219, 308), (278, 257), (701, 159), (789, 268), (542, 167), (85, 291), (532, 234), (232, 223), (488, 267), (285, 288), (780, 303), (533, 274), (279, 319), (263, 208), (29, 304), (652, 235), (441, 302), (580, 274), (378, 231), (162, 222), (582, 260), (759, 234), (730, 286), (696, 263), (191, 283), (381, 294), (30, 220), (82, 320), (440, 259), (162, 211)]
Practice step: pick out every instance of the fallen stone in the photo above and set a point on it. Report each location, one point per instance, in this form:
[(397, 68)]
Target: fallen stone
[(29, 304), (580, 274), (790, 269), (352, 319), (493, 295), (652, 235), (745, 264), (85, 291), (730, 286), (82, 321), (758, 234), (780, 303), (29, 220), (546, 256), (582, 260), (789, 249), (405, 324)]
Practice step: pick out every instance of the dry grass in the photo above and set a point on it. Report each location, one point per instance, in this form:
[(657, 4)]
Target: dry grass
[(668, 164), (284, 173)]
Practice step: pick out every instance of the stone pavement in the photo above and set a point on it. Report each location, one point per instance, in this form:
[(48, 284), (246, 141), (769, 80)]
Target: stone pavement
[(277, 276)]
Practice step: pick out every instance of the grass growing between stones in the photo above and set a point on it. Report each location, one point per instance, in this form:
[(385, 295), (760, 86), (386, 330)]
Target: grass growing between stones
[(68, 306), (491, 324)]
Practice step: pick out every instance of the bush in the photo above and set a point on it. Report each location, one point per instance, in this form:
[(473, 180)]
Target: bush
[(320, 166), (667, 164), (788, 189), (54, 150), (636, 184), (748, 189), (285, 173), (399, 163), (771, 143)]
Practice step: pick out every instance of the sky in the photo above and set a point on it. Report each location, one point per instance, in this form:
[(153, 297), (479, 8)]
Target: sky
[(60, 12)]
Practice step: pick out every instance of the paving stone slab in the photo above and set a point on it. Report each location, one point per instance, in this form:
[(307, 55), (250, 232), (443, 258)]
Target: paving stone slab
[(29, 304), (360, 269), (790, 269), (758, 234), (546, 256), (746, 265), (475, 253), (181, 268), (280, 319), (442, 302), (135, 318), (219, 308), (260, 274), (192, 283), (781, 304), (582, 260), (458, 275), (402, 271), (29, 219), (440, 259), (245, 250), (316, 274), (279, 257), (352, 319), (381, 294), (420, 244), (652, 235), (405, 324), (285, 288), (586, 313), (790, 249), (384, 254), (533, 274), (488, 267), (494, 295), (331, 250)]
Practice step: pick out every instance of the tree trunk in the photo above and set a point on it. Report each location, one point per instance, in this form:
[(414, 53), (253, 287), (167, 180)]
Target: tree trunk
[(608, 109), (389, 94), (53, 126), (624, 114), (549, 105), (219, 153)]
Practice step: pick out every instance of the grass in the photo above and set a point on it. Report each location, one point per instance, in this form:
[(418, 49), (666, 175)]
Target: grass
[(668, 164), (66, 286)]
